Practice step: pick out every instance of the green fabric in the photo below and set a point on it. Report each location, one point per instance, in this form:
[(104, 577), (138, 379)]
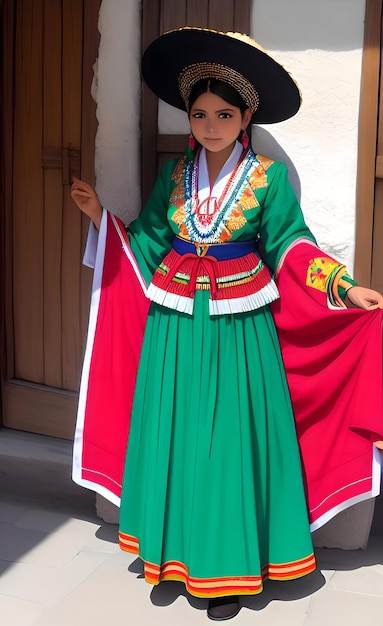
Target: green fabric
[(213, 476), (150, 234), (277, 218), (282, 220), (341, 290)]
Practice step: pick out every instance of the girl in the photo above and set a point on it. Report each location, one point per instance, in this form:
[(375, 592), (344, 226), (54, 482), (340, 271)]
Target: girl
[(213, 493)]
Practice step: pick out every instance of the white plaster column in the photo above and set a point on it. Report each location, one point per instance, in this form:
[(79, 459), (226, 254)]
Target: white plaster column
[(117, 89)]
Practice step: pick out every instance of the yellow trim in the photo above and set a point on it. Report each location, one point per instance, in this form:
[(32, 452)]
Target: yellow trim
[(218, 586)]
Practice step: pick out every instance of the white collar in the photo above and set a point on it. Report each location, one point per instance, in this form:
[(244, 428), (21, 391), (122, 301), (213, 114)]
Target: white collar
[(204, 190)]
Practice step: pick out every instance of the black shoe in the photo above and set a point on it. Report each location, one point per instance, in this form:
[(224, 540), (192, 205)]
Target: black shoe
[(223, 608)]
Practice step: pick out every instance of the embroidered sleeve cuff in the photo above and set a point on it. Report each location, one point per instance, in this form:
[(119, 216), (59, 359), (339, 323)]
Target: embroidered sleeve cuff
[(331, 277), (339, 282), (345, 283)]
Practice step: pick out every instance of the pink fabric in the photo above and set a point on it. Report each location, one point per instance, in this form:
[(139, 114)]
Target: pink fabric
[(333, 362), (117, 341)]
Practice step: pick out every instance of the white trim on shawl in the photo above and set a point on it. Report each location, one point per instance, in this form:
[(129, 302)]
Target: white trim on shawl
[(371, 493), (94, 257), (129, 254)]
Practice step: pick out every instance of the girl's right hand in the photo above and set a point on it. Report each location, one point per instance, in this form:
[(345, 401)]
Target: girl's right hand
[(87, 200)]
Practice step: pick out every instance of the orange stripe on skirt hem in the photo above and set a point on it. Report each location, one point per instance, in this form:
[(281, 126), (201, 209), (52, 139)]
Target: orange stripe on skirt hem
[(216, 587)]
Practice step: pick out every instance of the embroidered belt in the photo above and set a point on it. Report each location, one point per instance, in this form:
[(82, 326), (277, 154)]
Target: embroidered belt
[(220, 251), (234, 274)]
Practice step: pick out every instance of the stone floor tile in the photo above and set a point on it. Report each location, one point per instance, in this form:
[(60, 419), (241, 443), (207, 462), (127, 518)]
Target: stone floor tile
[(43, 520), (16, 542), (333, 608), (16, 612), (27, 446), (11, 513), (69, 570), (48, 585), (38, 484), (112, 581), (113, 594), (118, 583), (61, 547), (328, 575), (292, 613), (108, 533), (4, 565), (103, 540), (99, 613), (367, 580), (171, 602), (113, 599)]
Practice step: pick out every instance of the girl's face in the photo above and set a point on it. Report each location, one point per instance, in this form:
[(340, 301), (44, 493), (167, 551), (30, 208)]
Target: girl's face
[(215, 123)]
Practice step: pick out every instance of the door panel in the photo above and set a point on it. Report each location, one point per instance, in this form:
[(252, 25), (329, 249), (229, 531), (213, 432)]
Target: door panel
[(28, 204), (56, 43), (52, 140), (369, 205)]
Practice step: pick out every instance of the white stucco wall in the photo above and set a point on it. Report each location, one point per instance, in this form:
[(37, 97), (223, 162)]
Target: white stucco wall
[(320, 43), (116, 89)]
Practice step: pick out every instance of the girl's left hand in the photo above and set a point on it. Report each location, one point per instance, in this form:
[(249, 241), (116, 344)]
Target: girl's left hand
[(87, 200), (363, 298)]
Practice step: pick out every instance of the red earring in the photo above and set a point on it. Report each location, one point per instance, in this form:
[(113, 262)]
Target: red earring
[(244, 139), (191, 142)]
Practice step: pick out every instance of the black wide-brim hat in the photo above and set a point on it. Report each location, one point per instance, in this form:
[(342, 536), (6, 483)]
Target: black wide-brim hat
[(179, 58)]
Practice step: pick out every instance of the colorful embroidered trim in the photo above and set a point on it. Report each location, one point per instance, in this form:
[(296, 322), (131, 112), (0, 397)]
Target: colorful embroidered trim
[(199, 71), (234, 220), (236, 285), (183, 274), (211, 231), (204, 282), (215, 587), (329, 276)]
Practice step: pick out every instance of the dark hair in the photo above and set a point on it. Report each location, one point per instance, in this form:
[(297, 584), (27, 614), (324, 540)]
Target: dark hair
[(219, 88)]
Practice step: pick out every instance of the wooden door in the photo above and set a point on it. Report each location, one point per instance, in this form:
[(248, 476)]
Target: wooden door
[(369, 225), (159, 17), (46, 288)]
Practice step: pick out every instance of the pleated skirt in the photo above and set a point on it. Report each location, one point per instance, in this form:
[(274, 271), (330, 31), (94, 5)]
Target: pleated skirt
[(213, 493)]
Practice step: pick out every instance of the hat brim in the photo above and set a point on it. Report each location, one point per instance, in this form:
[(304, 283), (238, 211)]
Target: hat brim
[(166, 57)]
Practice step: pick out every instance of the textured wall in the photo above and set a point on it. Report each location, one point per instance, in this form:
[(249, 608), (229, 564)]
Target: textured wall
[(320, 43)]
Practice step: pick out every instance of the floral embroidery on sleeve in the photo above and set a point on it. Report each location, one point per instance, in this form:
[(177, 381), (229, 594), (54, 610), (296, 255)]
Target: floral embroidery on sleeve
[(330, 277)]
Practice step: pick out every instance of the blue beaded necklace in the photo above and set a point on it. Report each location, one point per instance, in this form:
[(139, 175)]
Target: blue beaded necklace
[(210, 232)]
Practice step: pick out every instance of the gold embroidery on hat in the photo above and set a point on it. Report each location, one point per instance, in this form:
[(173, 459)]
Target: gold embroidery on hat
[(200, 71)]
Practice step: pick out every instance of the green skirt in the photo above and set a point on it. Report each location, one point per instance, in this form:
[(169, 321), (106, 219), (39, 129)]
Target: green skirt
[(212, 492)]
